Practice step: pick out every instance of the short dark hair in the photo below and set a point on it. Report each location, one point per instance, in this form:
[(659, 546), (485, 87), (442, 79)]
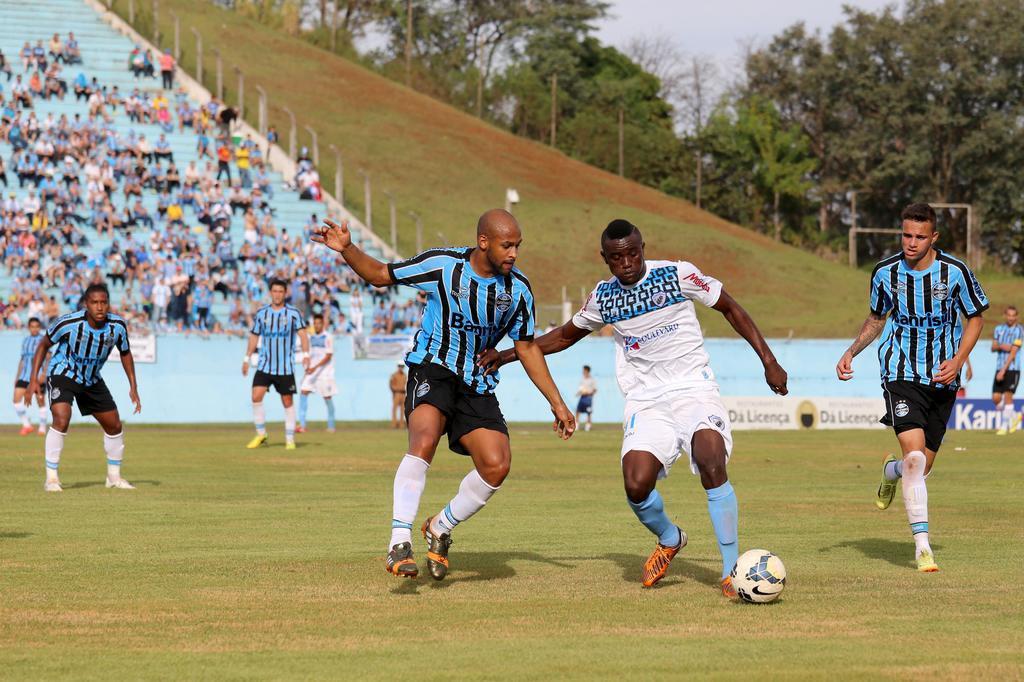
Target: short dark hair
[(318, 316), (919, 213), (93, 288), (618, 229), (277, 282), (40, 322), (1008, 309), (586, 367)]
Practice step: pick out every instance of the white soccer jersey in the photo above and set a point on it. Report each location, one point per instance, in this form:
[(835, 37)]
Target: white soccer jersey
[(659, 345), (320, 346), (587, 386)]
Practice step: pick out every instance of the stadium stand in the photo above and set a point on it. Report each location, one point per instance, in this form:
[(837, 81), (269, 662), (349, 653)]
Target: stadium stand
[(109, 176)]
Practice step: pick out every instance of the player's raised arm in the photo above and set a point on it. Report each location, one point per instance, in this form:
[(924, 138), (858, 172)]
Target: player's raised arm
[(744, 325), (339, 238), (529, 353)]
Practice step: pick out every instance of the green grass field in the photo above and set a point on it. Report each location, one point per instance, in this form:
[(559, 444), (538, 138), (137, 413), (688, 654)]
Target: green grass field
[(228, 564)]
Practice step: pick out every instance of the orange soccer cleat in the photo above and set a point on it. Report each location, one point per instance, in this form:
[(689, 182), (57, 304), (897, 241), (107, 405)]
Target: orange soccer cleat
[(728, 589), (656, 565)]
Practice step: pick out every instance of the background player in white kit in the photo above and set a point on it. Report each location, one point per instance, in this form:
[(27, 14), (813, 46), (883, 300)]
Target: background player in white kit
[(672, 400), (586, 391), (320, 376)]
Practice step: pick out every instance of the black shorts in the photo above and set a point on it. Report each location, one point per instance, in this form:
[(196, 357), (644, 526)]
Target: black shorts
[(90, 399), (20, 384), (909, 405), (1008, 384), (465, 409), (284, 384)]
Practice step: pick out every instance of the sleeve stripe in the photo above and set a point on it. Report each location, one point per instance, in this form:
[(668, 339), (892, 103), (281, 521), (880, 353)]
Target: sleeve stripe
[(968, 283)]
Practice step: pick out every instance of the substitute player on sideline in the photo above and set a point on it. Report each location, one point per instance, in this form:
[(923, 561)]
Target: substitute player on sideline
[(22, 398), (1006, 344), (476, 297), (672, 399), (320, 375), (82, 343), (274, 328), (917, 296)]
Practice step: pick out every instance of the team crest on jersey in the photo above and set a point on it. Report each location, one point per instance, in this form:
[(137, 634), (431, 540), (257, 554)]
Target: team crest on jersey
[(503, 301), (54, 393), (940, 291), (717, 421), (902, 409), (659, 298), (422, 389)]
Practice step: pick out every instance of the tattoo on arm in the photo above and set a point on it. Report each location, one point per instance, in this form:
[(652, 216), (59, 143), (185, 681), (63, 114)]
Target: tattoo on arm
[(869, 331)]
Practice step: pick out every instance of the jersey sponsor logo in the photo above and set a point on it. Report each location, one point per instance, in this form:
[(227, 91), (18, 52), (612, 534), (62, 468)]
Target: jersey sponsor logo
[(279, 334), (902, 409), (637, 342), (940, 291), (460, 293), (422, 389), (458, 321), (697, 281), (924, 320), (977, 287), (503, 301)]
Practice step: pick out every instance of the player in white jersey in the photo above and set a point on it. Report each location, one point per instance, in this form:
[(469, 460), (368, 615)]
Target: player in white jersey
[(672, 400), (320, 376), (586, 391)]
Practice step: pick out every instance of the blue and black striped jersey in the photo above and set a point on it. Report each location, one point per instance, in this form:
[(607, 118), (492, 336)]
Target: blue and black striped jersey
[(1010, 336), (277, 330), (465, 313), (924, 328), (28, 352), (80, 350)]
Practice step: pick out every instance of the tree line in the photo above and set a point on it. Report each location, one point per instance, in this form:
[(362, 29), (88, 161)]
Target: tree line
[(923, 102)]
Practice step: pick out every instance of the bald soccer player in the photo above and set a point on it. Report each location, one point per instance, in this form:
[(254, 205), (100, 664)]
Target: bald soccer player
[(475, 297)]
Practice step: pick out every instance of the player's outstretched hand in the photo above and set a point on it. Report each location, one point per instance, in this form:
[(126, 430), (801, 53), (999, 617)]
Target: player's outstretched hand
[(489, 360), (947, 372), (776, 378), (333, 235), (245, 368), (844, 370), (133, 394), (565, 422)]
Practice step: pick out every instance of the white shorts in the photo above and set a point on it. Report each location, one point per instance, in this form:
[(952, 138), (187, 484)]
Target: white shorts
[(665, 427), (320, 382)]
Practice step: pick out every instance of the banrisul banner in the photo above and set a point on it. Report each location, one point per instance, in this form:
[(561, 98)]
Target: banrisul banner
[(972, 413), (804, 413)]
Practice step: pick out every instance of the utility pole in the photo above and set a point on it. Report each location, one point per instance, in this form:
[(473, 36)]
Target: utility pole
[(554, 109), (262, 109), (339, 175), (291, 133), (177, 37), (408, 43), (394, 219), (368, 199), (419, 231), (156, 23), (241, 93), (316, 146), (199, 54), (622, 137), (220, 75)]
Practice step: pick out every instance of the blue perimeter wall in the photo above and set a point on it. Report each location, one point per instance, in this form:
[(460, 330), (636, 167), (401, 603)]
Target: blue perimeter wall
[(199, 380)]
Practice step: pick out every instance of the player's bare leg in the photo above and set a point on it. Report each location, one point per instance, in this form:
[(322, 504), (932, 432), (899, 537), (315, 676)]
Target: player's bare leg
[(21, 406), (492, 459), (43, 409), (113, 445), (288, 402), (917, 464), (303, 407), (259, 417), (426, 425), (61, 413), (640, 470), (709, 453)]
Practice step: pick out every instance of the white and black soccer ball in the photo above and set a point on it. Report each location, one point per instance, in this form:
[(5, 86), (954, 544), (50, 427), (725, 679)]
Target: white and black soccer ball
[(758, 576)]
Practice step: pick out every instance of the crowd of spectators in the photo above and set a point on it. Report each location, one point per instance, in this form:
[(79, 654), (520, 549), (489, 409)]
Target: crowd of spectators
[(106, 202)]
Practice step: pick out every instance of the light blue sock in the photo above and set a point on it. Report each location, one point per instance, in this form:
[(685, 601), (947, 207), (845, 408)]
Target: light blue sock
[(303, 406), (894, 470), (725, 519), (330, 413), (651, 513)]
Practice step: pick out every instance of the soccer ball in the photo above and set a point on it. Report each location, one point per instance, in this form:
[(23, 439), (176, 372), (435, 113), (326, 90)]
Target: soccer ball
[(759, 576)]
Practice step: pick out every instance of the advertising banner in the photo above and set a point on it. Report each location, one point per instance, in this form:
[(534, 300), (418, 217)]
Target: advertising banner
[(381, 346), (977, 414), (804, 413), (143, 349)]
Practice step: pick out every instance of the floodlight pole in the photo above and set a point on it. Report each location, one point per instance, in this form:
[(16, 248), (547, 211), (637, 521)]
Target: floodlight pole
[(419, 231), (367, 198), (220, 75), (394, 219), (262, 108), (241, 92), (291, 133), (339, 175), (316, 146), (199, 54), (177, 37)]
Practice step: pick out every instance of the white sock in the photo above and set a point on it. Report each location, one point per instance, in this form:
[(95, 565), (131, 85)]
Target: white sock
[(44, 415), (410, 480), (915, 498), (894, 470), (19, 409), (289, 423), (54, 445), (114, 447), (259, 418), (471, 498), (1008, 415)]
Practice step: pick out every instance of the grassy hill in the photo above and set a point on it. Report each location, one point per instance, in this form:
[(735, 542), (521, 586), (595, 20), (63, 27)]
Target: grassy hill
[(449, 167)]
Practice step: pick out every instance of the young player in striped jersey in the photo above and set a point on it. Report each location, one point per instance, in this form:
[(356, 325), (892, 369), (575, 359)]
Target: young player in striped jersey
[(1006, 344), (475, 298), (917, 299), (320, 375), (672, 399), (22, 398), (274, 328), (82, 342)]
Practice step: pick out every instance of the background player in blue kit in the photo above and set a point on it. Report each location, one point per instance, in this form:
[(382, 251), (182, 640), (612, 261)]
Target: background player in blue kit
[(82, 342), (274, 328), (1007, 340), (22, 398), (475, 297), (917, 298)]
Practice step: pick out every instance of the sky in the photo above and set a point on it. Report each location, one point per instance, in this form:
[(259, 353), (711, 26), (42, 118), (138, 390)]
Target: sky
[(718, 28)]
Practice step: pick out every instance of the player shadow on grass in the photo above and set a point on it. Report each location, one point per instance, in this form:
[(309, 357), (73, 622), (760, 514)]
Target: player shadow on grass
[(895, 552), (92, 484), (682, 568), (14, 535), (470, 567)]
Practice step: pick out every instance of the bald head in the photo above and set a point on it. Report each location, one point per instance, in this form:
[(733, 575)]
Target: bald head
[(497, 223)]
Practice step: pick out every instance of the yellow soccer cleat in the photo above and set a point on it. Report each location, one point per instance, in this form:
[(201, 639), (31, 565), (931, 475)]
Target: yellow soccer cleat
[(257, 441), (1015, 424), (887, 488), (290, 445), (926, 562)]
